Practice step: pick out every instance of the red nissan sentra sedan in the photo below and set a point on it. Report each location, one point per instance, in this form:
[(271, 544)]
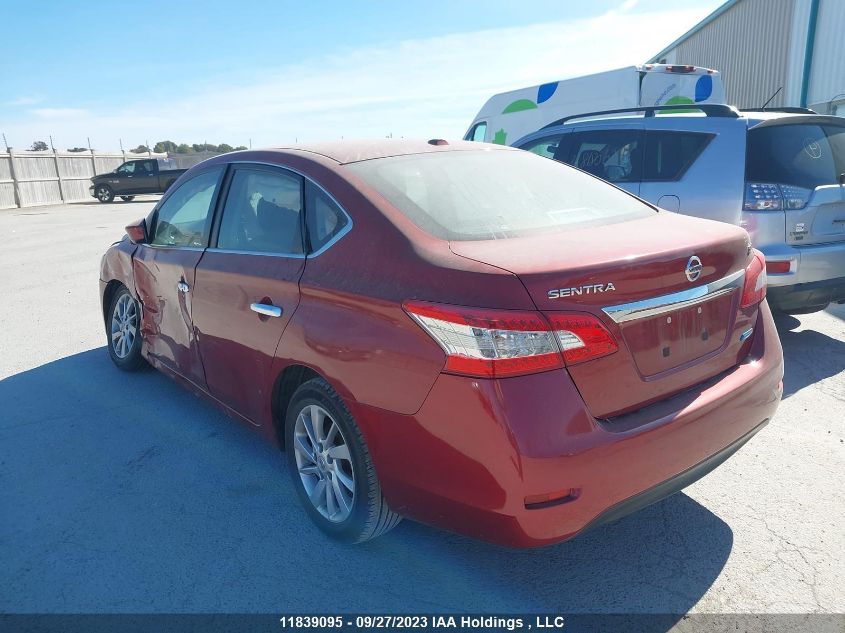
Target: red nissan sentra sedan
[(468, 335)]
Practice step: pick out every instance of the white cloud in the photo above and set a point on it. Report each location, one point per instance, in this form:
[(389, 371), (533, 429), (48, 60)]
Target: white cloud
[(22, 101), (424, 87), (59, 113)]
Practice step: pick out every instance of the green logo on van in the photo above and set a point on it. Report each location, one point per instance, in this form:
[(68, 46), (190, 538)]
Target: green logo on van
[(519, 105)]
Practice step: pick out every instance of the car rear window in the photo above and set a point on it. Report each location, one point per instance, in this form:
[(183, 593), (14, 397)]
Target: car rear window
[(494, 194), (805, 155)]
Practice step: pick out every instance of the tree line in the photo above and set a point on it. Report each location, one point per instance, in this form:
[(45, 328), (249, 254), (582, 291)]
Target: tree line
[(161, 147)]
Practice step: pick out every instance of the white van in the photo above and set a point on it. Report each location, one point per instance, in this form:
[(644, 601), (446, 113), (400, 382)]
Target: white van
[(509, 116)]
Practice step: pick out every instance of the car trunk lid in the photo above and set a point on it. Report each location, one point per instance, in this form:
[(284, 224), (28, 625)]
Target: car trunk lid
[(666, 286)]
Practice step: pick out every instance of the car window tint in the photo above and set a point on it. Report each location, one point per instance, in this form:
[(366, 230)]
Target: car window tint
[(262, 213), (669, 154), (322, 216), (614, 155), (144, 167), (478, 132), (183, 218), (801, 155), (548, 146), (481, 195)]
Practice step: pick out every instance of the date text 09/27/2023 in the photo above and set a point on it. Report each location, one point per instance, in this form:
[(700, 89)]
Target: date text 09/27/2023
[(468, 622)]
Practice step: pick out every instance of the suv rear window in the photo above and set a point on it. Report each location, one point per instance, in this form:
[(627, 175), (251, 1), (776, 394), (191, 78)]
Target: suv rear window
[(804, 155), (494, 194)]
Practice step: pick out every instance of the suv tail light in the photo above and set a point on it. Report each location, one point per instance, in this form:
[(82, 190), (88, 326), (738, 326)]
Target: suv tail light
[(501, 343), (754, 289), (765, 196)]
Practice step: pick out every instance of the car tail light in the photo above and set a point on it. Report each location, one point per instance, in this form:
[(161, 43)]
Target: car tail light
[(488, 343), (766, 196), (502, 343), (754, 289), (581, 337), (680, 69)]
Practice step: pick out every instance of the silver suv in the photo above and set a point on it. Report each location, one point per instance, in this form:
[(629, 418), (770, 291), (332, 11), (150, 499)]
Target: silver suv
[(780, 174)]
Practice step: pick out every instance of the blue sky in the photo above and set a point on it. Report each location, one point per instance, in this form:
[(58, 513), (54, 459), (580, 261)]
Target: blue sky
[(278, 72)]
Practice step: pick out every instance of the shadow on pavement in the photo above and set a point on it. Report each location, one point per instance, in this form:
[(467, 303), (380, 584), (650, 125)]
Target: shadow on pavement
[(123, 492), (809, 356)]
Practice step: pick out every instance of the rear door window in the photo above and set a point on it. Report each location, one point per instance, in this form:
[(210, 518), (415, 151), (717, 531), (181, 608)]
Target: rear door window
[(804, 155), (668, 155), (262, 213), (613, 155)]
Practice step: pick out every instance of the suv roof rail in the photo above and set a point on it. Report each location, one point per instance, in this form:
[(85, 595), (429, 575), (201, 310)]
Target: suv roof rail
[(710, 109), (788, 109)]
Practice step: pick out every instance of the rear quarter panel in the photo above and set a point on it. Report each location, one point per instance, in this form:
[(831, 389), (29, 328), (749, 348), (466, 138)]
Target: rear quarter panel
[(350, 326), (714, 185)]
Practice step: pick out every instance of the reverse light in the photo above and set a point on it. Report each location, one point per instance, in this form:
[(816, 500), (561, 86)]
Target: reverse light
[(754, 289), (581, 337), (501, 343), (765, 196)]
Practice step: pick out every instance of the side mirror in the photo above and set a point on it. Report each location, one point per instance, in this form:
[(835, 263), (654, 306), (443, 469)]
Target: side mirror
[(137, 232)]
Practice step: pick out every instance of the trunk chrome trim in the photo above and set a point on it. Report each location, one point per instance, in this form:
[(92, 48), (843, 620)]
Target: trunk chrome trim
[(676, 300)]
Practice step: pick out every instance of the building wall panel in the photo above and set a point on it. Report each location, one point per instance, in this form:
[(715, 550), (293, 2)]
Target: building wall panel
[(749, 44), (827, 76)]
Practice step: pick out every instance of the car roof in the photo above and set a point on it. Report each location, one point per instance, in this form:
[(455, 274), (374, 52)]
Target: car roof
[(352, 151)]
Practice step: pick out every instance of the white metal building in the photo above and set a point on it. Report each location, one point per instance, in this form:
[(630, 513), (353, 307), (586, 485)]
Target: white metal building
[(760, 46)]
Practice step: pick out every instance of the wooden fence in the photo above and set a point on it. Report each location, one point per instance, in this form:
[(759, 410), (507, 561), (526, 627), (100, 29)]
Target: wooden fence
[(29, 179)]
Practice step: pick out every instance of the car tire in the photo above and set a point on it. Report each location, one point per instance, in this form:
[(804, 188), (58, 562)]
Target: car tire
[(127, 198), (104, 193), (123, 331), (329, 462)]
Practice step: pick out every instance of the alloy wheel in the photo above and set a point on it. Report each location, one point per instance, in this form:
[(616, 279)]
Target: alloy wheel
[(324, 463), (124, 325)]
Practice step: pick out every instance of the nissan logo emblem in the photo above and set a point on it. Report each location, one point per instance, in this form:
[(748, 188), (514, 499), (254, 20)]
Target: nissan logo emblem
[(693, 269)]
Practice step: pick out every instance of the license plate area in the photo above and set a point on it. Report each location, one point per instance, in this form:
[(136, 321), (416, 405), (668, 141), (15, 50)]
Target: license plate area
[(675, 337)]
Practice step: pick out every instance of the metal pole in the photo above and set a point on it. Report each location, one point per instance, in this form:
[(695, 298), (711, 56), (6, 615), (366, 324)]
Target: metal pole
[(58, 171), (15, 184)]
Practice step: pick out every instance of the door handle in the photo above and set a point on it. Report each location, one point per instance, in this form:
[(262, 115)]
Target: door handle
[(183, 287), (266, 310)]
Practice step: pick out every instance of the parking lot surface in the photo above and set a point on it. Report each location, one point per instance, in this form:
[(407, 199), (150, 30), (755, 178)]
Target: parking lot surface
[(125, 493)]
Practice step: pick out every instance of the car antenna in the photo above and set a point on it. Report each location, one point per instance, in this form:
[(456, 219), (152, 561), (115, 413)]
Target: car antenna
[(772, 97)]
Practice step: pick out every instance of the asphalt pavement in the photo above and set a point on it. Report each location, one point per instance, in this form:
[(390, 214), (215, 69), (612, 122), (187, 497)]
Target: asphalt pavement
[(125, 493)]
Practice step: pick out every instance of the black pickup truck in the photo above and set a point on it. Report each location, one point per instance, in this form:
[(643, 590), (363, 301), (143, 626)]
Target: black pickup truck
[(150, 175)]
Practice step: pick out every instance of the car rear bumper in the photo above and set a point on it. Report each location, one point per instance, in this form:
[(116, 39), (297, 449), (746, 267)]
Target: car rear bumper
[(808, 295), (479, 453), (808, 264)]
